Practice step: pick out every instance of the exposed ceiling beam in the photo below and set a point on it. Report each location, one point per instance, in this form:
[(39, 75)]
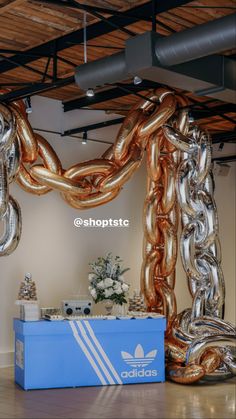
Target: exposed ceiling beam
[(9, 5), (37, 88), (113, 12), (225, 159), (216, 110), (25, 66), (110, 94), (89, 9), (94, 30), (93, 126), (116, 92), (209, 7), (224, 137)]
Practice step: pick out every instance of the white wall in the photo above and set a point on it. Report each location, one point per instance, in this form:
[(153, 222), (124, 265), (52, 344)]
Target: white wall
[(58, 254), (225, 200)]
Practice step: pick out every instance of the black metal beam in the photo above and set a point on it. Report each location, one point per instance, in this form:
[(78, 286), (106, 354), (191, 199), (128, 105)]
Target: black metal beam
[(35, 89), (36, 56), (224, 137), (11, 60), (93, 126), (113, 12), (26, 83), (225, 159), (91, 10), (94, 30), (46, 69), (154, 23), (127, 89), (110, 94), (210, 7), (217, 138), (214, 111)]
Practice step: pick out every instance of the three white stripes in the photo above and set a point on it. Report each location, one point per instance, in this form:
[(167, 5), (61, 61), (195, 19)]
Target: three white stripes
[(94, 352)]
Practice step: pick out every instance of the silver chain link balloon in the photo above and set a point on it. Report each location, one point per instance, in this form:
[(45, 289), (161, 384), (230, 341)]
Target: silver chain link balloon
[(199, 343), (10, 213), (202, 326)]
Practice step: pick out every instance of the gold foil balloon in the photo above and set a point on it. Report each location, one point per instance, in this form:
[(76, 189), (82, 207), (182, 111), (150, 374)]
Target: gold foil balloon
[(199, 343), (159, 202), (29, 144)]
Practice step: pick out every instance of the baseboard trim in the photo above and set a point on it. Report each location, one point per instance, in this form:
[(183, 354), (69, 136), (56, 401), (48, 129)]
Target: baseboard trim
[(6, 359)]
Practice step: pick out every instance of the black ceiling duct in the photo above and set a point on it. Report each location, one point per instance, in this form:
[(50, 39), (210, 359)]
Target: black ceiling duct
[(199, 41), (182, 60)]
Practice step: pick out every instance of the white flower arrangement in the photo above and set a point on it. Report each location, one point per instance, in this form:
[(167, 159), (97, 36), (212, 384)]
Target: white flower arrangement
[(106, 280)]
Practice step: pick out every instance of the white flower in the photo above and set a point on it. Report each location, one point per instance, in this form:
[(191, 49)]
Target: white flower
[(121, 278), (93, 293), (108, 282), (91, 277), (109, 292), (125, 287), (119, 291), (117, 288), (101, 285)]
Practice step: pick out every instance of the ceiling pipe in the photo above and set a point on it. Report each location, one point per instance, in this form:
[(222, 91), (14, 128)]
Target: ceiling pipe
[(202, 40), (106, 70), (182, 60)]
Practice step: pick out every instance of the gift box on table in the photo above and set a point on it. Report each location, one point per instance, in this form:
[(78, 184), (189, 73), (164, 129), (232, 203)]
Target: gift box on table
[(89, 352)]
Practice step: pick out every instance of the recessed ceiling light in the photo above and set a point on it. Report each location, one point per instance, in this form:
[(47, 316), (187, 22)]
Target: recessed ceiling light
[(90, 93), (137, 80), (190, 117), (85, 138), (28, 107)]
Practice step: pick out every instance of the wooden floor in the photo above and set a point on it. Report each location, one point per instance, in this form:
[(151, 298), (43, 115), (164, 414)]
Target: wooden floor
[(166, 400)]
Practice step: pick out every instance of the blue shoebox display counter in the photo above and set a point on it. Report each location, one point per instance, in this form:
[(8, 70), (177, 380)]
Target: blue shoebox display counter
[(89, 352)]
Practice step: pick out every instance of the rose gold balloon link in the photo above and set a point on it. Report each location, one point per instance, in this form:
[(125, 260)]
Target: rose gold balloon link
[(160, 247), (191, 355), (94, 182)]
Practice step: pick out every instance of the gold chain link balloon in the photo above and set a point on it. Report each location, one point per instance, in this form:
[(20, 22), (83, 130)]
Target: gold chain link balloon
[(199, 343), (160, 228)]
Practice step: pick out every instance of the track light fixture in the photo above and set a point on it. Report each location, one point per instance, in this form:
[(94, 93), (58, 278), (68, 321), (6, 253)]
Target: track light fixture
[(137, 80), (90, 93), (85, 137), (28, 107), (221, 146), (191, 118)]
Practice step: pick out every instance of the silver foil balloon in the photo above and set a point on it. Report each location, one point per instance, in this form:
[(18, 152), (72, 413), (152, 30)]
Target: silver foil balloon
[(4, 191), (7, 127), (200, 346), (12, 228), (10, 156), (199, 342), (13, 157), (179, 140), (206, 324), (201, 328)]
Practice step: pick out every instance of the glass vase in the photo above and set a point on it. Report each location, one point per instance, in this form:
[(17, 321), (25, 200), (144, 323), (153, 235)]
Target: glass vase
[(119, 310), (108, 304)]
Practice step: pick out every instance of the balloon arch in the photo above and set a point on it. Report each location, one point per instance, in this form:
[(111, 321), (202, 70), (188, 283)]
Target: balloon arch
[(199, 343)]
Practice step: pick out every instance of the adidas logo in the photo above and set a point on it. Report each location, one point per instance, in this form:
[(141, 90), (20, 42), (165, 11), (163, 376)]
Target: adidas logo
[(139, 360)]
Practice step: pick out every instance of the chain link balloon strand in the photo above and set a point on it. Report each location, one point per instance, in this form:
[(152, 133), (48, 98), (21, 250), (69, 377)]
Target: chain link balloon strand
[(10, 156), (200, 332), (196, 337)]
